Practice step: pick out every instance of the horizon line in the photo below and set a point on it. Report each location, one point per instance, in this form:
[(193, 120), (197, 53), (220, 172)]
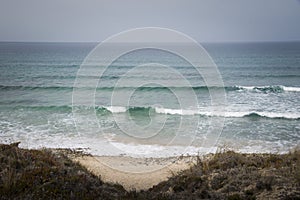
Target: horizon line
[(209, 42)]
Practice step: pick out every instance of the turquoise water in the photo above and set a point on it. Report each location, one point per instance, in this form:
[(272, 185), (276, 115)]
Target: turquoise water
[(261, 82)]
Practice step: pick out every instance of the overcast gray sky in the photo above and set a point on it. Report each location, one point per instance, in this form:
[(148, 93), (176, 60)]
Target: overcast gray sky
[(95, 20)]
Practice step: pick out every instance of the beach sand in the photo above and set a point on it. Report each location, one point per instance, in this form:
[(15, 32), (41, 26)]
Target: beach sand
[(134, 173)]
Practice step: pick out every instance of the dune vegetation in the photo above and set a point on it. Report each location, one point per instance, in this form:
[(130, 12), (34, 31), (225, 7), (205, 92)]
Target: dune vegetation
[(48, 174)]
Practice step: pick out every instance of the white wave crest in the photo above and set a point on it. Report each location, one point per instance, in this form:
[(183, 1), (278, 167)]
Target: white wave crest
[(291, 89), (237, 114), (175, 111), (116, 109), (228, 114), (270, 87)]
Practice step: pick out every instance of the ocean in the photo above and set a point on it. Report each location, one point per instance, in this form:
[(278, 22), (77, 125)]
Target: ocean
[(261, 84)]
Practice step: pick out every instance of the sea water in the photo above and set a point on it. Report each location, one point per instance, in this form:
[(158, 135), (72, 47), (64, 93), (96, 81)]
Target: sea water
[(261, 112)]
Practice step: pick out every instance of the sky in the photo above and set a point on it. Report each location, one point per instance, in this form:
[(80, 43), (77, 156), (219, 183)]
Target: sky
[(203, 20)]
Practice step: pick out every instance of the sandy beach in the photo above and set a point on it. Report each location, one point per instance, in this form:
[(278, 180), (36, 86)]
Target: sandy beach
[(134, 173)]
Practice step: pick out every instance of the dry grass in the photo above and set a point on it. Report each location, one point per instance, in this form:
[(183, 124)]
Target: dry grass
[(231, 175), (42, 174)]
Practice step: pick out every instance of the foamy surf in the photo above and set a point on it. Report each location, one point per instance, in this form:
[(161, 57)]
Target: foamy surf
[(186, 112), (116, 109), (113, 148), (270, 88)]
